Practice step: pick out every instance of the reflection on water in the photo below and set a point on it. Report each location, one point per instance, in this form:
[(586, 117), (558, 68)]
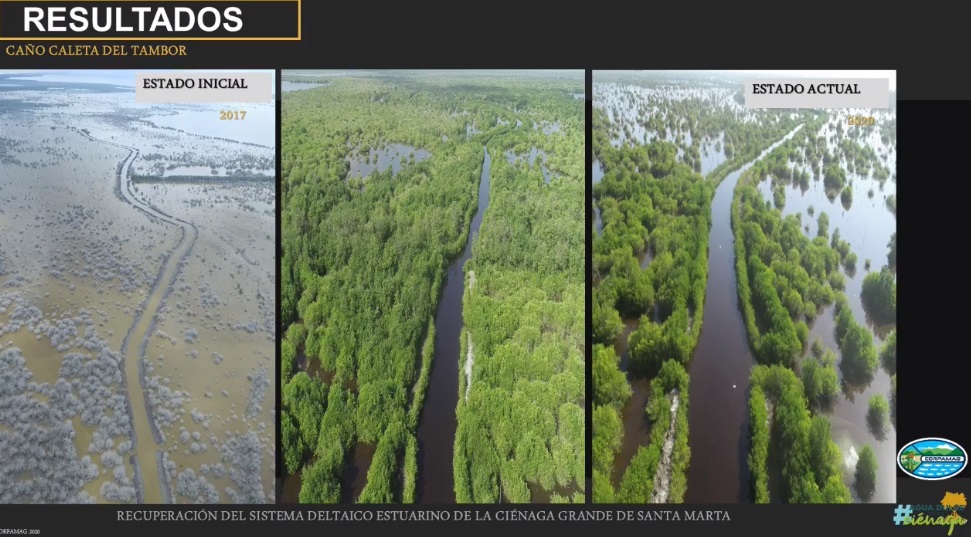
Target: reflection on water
[(355, 472), (539, 495), (867, 226), (637, 427), (530, 159), (712, 153), (390, 156)]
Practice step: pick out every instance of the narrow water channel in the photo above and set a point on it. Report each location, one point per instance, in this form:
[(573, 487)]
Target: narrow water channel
[(436, 431), (146, 458), (720, 368)]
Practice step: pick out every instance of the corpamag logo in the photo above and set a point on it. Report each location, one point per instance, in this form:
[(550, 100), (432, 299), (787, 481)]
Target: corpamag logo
[(932, 459), (946, 513)]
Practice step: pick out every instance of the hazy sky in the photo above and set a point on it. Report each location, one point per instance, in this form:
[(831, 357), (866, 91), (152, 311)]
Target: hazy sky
[(116, 77)]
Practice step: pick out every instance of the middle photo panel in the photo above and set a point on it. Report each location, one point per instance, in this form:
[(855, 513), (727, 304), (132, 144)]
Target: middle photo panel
[(433, 287)]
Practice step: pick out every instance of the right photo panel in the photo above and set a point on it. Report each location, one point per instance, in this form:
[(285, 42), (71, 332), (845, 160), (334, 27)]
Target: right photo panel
[(744, 300)]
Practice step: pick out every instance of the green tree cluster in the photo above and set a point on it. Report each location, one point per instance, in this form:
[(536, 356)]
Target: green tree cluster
[(878, 416), (880, 295), (784, 432), (820, 379), (888, 353), (521, 419), (859, 354), (866, 474), (783, 277)]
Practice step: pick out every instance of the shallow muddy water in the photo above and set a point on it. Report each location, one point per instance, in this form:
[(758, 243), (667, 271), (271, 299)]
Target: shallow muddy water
[(127, 254)]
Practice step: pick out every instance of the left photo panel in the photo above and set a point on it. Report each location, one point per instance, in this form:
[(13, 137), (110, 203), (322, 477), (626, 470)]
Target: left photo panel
[(137, 288)]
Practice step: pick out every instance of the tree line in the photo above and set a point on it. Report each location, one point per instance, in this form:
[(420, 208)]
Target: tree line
[(521, 419)]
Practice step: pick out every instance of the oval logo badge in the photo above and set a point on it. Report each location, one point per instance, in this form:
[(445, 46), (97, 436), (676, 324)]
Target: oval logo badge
[(932, 459)]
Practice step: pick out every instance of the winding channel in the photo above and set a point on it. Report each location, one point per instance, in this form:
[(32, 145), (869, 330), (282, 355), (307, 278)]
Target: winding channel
[(721, 366), (151, 487)]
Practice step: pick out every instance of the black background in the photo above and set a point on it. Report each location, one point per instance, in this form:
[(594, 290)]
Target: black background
[(260, 19), (932, 116), (505, 35), (929, 378)]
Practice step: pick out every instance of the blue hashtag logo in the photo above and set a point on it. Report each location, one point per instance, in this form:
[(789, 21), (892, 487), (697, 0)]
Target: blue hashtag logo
[(902, 513)]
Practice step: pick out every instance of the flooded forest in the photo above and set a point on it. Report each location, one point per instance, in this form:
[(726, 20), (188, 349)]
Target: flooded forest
[(433, 287), (745, 258), (137, 310)]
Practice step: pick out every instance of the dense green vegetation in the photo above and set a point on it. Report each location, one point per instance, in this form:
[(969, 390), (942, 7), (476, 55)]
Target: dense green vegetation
[(786, 434), (860, 357), (820, 378), (880, 295), (866, 474), (878, 416), (888, 354), (650, 203), (656, 206), (758, 457), (523, 420), (785, 279), (364, 259), (610, 393)]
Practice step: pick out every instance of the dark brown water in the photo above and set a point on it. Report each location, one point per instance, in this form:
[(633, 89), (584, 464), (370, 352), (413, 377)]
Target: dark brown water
[(539, 495), (637, 427), (436, 431), (301, 359), (290, 490), (355, 472), (720, 368)]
